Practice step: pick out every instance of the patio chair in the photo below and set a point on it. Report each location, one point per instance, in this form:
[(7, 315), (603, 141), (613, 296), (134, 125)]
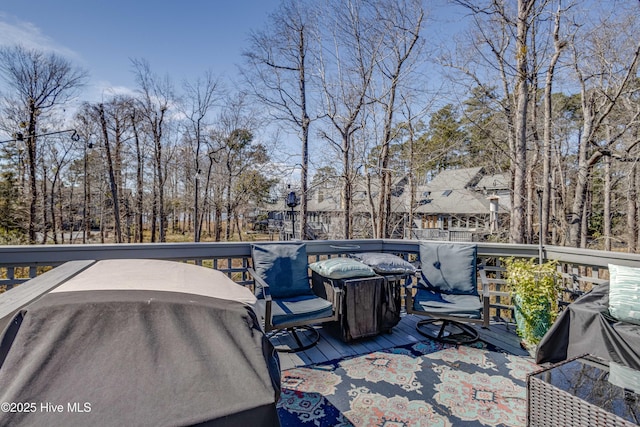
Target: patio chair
[(285, 296), (447, 292)]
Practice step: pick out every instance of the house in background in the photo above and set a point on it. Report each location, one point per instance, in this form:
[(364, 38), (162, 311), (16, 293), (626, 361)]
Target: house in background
[(459, 204)]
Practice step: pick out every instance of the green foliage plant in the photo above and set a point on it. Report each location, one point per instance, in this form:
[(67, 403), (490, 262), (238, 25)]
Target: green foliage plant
[(535, 289), (12, 237)]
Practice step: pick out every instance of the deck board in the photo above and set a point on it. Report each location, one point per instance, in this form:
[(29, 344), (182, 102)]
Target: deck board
[(331, 347)]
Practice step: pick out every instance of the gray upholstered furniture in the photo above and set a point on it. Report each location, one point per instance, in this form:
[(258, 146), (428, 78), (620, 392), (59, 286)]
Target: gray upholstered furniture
[(447, 292), (285, 297)]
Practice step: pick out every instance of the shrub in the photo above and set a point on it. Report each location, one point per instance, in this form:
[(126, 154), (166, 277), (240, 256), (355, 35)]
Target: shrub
[(535, 289)]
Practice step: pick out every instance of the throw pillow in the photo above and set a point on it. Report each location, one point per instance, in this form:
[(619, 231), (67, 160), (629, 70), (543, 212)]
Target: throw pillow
[(624, 293), (342, 268), (383, 263)]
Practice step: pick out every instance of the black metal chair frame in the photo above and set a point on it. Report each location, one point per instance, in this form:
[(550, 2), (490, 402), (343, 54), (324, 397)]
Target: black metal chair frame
[(452, 329), (303, 332)]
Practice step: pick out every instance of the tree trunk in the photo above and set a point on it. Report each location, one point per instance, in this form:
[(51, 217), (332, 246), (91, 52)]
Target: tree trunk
[(305, 124), (162, 216), (607, 204), (45, 212), (196, 188), (547, 137), (217, 222), (520, 148), (206, 206), (384, 201), (584, 225), (346, 186), (52, 207), (582, 179), (154, 208), (86, 196), (636, 178), (139, 181), (112, 180), (227, 233), (632, 197), (31, 153)]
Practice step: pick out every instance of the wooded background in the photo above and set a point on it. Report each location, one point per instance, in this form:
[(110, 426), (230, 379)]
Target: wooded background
[(547, 90)]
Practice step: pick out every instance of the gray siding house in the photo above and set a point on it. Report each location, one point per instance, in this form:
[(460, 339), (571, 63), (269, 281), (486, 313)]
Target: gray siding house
[(459, 204)]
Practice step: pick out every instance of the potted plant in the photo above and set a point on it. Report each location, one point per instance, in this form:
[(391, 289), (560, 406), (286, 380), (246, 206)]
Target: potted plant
[(535, 289)]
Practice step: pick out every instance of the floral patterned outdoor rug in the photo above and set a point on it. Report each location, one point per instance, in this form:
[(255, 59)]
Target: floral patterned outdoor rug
[(424, 384)]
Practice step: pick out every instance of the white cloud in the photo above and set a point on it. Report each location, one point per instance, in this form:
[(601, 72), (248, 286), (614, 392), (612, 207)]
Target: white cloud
[(104, 89), (16, 32)]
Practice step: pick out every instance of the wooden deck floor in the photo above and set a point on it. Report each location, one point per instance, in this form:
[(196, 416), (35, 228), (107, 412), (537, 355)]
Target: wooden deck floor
[(331, 347)]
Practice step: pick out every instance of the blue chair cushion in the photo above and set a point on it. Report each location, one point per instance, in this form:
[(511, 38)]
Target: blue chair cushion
[(283, 267), (466, 306), (299, 309), (449, 268)]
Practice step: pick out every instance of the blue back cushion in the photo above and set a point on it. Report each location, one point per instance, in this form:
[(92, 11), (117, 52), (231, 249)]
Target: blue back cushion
[(449, 268), (283, 267)]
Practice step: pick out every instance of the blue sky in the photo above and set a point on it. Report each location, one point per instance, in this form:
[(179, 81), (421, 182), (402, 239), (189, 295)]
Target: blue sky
[(180, 38)]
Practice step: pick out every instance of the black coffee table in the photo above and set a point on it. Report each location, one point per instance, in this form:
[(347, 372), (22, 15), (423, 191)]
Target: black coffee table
[(584, 391)]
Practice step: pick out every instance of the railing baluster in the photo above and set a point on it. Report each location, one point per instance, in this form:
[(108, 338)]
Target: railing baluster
[(580, 268)]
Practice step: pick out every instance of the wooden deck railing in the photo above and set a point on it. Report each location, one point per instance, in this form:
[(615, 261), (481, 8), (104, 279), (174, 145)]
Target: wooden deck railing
[(580, 268)]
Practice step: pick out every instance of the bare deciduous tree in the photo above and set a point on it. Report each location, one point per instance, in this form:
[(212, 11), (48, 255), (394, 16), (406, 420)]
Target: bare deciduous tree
[(605, 62), (40, 82), (156, 96), (200, 98), (235, 152), (399, 32), (278, 71), (559, 46), (347, 63)]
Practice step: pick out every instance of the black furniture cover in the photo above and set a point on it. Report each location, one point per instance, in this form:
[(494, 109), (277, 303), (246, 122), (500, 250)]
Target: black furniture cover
[(370, 305), (139, 343), (585, 327), (391, 302)]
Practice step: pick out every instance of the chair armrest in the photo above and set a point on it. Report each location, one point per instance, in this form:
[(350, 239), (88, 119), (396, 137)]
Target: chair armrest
[(485, 295), (322, 291), (264, 288), (326, 289), (337, 300), (410, 283), (260, 283), (484, 280), (336, 292), (409, 287)]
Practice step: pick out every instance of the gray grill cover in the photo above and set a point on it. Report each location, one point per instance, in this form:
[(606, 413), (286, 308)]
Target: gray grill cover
[(139, 357)]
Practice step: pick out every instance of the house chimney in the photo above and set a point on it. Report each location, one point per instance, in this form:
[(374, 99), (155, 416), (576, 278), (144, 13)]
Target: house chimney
[(493, 213)]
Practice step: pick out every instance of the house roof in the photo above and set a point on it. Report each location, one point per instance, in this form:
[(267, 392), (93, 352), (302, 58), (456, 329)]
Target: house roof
[(498, 181), (461, 191), (455, 179), (459, 201), (455, 191)]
